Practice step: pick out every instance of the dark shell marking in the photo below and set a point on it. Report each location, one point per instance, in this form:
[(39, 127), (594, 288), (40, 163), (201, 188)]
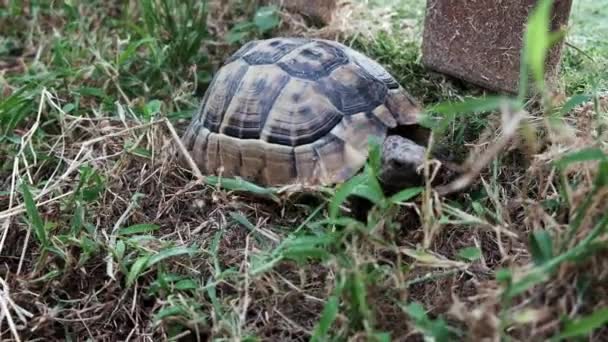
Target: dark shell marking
[(313, 61), (271, 51), (352, 90), (287, 110), (250, 107), (300, 122), (375, 69), (220, 95)]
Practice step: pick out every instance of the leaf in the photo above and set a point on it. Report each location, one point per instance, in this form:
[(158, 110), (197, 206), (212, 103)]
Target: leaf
[(328, 316), (436, 330), (186, 284), (359, 294), (429, 259), (306, 240), (214, 248), (131, 49), (601, 179), (119, 250), (77, 219), (416, 311), (239, 218), (370, 189), (303, 253), (472, 105), (68, 107), (34, 216), (573, 102), (470, 253), (585, 325), (239, 184), (382, 336), (89, 248), (306, 246), (266, 18), (170, 311), (239, 31), (450, 110), (262, 267), (90, 184), (136, 269), (582, 155), (138, 229), (340, 221), (375, 153), (531, 279), (235, 36), (141, 152), (96, 92), (524, 76), (212, 294), (406, 195), (148, 261), (537, 40), (168, 253), (541, 247), (344, 191), (153, 107), (503, 275)]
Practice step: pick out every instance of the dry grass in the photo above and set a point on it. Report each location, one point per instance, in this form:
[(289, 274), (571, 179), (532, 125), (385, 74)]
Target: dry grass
[(231, 266)]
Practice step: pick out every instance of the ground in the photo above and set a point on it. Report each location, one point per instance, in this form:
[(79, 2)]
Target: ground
[(103, 236)]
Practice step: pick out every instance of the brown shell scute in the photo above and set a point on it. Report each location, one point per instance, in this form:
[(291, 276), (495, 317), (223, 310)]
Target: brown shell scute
[(251, 105), (300, 115), (271, 51), (352, 89), (221, 93), (295, 110), (313, 61), (372, 67)]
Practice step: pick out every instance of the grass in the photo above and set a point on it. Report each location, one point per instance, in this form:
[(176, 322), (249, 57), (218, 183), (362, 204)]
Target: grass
[(103, 236)]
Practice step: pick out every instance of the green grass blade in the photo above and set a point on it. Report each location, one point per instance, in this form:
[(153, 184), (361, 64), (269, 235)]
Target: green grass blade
[(242, 220), (266, 18), (536, 40), (585, 325), (138, 229), (239, 184), (470, 253), (186, 284), (573, 102), (328, 316), (541, 247), (369, 189), (580, 156), (34, 216), (169, 253), (137, 269), (450, 110), (472, 105), (405, 195), (119, 250), (535, 277), (215, 247), (344, 191)]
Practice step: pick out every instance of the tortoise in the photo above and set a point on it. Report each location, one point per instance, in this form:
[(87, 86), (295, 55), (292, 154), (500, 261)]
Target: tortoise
[(287, 110)]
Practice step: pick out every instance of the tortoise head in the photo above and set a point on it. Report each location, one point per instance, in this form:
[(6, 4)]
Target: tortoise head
[(401, 158)]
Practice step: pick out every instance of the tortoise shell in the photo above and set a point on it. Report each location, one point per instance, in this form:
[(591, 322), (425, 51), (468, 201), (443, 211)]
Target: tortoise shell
[(295, 110)]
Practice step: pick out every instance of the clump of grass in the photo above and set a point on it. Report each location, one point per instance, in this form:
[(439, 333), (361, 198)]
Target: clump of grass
[(103, 235)]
